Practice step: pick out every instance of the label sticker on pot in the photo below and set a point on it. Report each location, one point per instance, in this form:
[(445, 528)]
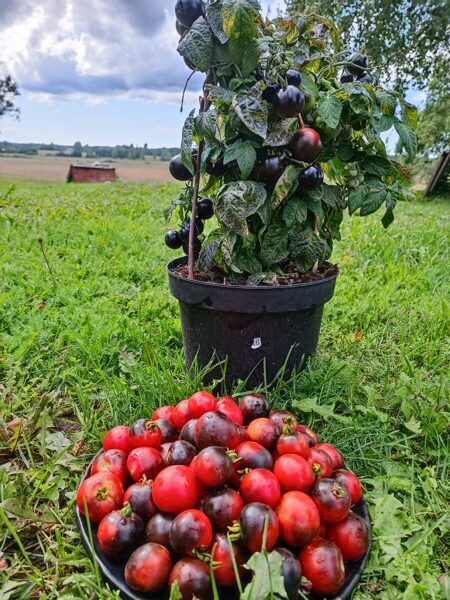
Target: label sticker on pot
[(257, 343)]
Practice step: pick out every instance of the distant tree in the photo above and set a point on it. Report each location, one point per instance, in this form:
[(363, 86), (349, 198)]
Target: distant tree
[(166, 154), (433, 130), (408, 38), (77, 150), (8, 93)]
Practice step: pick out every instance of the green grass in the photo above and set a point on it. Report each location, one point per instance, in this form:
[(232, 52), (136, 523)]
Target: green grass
[(103, 346)]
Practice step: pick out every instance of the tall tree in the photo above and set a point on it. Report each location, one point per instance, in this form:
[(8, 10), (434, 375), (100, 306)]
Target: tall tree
[(8, 93), (407, 38)]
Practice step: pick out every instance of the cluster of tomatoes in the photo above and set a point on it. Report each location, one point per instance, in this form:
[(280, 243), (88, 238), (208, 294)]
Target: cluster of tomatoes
[(191, 494)]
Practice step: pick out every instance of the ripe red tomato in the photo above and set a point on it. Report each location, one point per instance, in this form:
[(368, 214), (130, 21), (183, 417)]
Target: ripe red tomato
[(164, 412), (145, 433), (282, 418), (176, 489), (201, 403), (252, 522), (181, 414), (193, 578), (191, 530), (228, 407), (180, 453), (144, 461), (221, 555), (216, 429), (212, 466), (253, 456), (351, 536), (118, 438), (299, 519), (139, 496), (311, 436), (320, 462), (114, 461), (292, 442), (322, 565), (169, 433), (264, 432), (148, 568), (187, 433), (119, 532), (222, 507), (332, 499), (294, 473), (349, 481), (333, 453), (102, 493), (254, 406), (158, 530), (260, 485)]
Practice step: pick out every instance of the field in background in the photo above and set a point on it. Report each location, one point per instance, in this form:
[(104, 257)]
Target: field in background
[(55, 168), (101, 345)]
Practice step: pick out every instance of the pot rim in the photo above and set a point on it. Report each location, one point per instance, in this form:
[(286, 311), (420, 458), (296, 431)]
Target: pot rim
[(209, 284)]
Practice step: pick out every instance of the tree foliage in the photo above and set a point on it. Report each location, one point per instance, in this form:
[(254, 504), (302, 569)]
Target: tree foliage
[(406, 39), (8, 93), (266, 227)]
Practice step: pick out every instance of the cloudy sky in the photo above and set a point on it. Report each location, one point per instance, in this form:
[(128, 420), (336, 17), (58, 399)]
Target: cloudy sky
[(98, 71)]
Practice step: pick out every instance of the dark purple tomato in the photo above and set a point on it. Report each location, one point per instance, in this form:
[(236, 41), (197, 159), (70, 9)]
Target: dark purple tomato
[(188, 11), (181, 453), (264, 431), (253, 456), (193, 578), (197, 248), (289, 101), (311, 177), (158, 529), (216, 429), (139, 495), (212, 466), (187, 432), (306, 145), (357, 63), (148, 568), (271, 169), (120, 532), (293, 77), (178, 170), (169, 432), (346, 78), (205, 209), (173, 240), (254, 406), (365, 78), (221, 555), (282, 418), (164, 450), (252, 522), (217, 169), (271, 90), (191, 530), (332, 499), (222, 507), (291, 571)]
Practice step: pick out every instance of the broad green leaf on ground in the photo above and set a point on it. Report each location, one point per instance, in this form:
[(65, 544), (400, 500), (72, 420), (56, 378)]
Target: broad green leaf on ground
[(267, 582), (244, 154), (306, 248), (391, 524), (274, 247), (186, 142), (407, 137), (241, 19), (238, 200), (197, 45), (252, 111), (329, 109), (333, 196), (308, 405), (286, 185), (367, 197), (281, 133), (295, 212)]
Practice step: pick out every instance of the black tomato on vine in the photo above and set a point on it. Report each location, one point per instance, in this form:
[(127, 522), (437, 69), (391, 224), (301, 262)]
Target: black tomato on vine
[(357, 63), (181, 453), (178, 170), (252, 523), (253, 406), (193, 578), (271, 90), (173, 240), (291, 571), (181, 29), (184, 231), (306, 145), (197, 248), (223, 507), (120, 532), (311, 178), (271, 169), (289, 101), (366, 78), (293, 77), (216, 169), (257, 74), (346, 78), (188, 11), (205, 209)]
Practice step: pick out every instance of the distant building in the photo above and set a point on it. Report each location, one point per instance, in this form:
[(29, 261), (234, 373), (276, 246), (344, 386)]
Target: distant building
[(95, 173)]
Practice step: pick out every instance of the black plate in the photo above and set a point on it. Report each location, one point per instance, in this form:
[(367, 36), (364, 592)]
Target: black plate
[(113, 570)]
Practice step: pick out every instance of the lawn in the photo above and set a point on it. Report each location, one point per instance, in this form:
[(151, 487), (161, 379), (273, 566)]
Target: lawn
[(97, 342)]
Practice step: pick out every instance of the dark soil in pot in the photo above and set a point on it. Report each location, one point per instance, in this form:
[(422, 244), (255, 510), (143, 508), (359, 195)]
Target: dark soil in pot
[(256, 329)]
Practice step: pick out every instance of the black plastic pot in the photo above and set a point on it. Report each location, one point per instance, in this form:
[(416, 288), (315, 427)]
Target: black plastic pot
[(256, 329), (113, 570)]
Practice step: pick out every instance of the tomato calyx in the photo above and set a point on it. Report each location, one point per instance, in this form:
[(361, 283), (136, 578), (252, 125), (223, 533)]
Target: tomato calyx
[(127, 510), (317, 468), (234, 531), (289, 426), (102, 493), (150, 425), (338, 491)]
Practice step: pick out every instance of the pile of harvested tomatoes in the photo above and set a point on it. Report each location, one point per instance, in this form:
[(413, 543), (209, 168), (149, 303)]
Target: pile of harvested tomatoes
[(188, 496)]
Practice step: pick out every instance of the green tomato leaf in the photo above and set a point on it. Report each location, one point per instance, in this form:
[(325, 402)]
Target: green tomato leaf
[(368, 197), (274, 247), (333, 196), (244, 154), (186, 142), (378, 165), (407, 137), (220, 95), (295, 212), (197, 45), (384, 123), (241, 19), (410, 114), (252, 111), (306, 248), (286, 185), (309, 86), (329, 109), (214, 13), (281, 133), (238, 200), (267, 581), (387, 102), (388, 217)]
